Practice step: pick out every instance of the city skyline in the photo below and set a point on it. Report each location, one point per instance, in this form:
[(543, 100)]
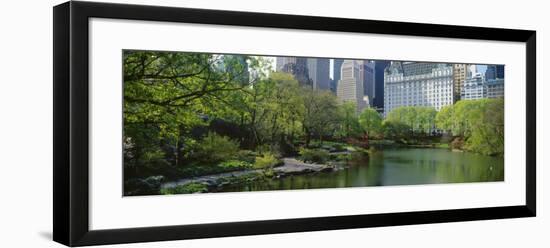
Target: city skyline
[(387, 85), (480, 67)]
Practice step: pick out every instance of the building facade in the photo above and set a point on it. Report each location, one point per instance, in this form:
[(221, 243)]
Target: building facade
[(378, 101), (459, 76), (418, 84), (337, 69), (495, 88), (297, 66), (367, 71), (488, 85), (282, 61), (474, 88), (350, 85), (319, 73), (494, 72)]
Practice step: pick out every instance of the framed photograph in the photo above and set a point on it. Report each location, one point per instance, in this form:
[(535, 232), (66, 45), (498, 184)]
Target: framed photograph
[(177, 123)]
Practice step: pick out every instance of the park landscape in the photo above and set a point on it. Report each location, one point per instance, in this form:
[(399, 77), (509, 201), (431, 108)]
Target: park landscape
[(211, 123)]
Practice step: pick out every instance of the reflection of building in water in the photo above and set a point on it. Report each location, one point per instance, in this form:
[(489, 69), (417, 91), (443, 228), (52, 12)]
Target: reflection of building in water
[(350, 85), (418, 84)]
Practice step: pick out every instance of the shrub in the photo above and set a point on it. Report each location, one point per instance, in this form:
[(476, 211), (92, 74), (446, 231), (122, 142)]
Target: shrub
[(143, 186), (267, 160), (338, 147), (214, 149), (185, 189), (269, 173), (271, 149), (247, 155), (235, 164), (314, 155), (340, 157)]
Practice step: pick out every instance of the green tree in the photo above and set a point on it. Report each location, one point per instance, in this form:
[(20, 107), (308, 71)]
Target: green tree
[(444, 119), (320, 114), (479, 122), (349, 122), (396, 131), (168, 94), (370, 121), (274, 110)]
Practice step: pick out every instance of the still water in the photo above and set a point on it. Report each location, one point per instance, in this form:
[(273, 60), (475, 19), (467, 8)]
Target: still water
[(393, 167)]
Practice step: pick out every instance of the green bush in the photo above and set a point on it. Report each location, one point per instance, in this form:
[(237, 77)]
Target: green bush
[(143, 186), (267, 160), (214, 149), (247, 155), (235, 164), (185, 189), (269, 173), (340, 157), (271, 149), (314, 155)]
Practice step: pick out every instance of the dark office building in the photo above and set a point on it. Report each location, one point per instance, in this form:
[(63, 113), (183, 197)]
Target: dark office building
[(494, 72), (337, 69), (297, 66), (500, 71), (379, 66)]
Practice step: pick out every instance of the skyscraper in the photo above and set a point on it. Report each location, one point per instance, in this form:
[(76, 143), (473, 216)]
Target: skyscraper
[(491, 72), (319, 73), (459, 75), (367, 72), (418, 84), (350, 85), (494, 72), (379, 67), (500, 71), (333, 86), (474, 88), (495, 88), (282, 61), (297, 66), (488, 85), (336, 71)]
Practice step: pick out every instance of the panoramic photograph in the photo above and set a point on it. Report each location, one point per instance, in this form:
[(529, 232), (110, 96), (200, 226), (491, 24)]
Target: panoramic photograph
[(213, 123)]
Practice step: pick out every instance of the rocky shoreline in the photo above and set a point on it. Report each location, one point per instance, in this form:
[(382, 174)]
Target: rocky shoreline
[(290, 166)]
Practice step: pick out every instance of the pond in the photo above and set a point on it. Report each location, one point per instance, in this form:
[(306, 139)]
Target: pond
[(392, 167)]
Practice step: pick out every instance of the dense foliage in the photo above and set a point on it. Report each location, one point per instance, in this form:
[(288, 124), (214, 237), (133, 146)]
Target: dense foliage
[(478, 125), (190, 114)]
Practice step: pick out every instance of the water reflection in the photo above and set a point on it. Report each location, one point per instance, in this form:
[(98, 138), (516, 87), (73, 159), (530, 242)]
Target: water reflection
[(393, 167)]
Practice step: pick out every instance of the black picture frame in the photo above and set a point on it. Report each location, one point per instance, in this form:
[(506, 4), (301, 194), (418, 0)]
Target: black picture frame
[(71, 123)]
